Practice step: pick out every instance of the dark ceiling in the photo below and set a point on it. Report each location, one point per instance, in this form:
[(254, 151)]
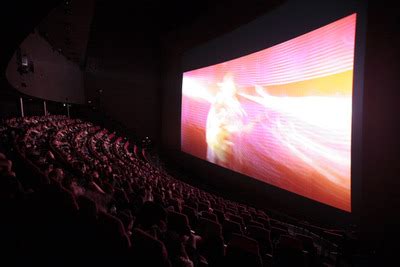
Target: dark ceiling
[(67, 28), (67, 24)]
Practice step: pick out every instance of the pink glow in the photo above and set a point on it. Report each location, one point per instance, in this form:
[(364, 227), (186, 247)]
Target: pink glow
[(281, 115)]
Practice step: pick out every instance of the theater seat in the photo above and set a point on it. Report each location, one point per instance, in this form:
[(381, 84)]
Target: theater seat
[(211, 245), (208, 227), (289, 252), (263, 238), (276, 233), (209, 215), (178, 223), (191, 214), (147, 251), (242, 251), (229, 228), (308, 246), (264, 221), (220, 215), (246, 217), (235, 218), (255, 223)]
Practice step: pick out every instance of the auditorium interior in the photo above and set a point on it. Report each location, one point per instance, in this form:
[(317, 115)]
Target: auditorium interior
[(199, 133)]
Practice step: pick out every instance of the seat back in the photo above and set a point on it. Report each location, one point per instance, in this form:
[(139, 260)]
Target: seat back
[(255, 223), (242, 251), (191, 214), (178, 222), (229, 228), (208, 227), (289, 252), (148, 250), (276, 233), (211, 244), (263, 238), (209, 215)]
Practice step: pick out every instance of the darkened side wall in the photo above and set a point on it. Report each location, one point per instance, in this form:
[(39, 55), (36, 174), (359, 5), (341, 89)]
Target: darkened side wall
[(53, 77), (122, 69), (381, 127)]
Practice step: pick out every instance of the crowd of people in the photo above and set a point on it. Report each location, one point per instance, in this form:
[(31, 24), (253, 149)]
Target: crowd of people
[(80, 196)]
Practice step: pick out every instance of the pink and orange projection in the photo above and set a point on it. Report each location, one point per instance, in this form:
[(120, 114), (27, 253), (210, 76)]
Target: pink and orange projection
[(281, 115)]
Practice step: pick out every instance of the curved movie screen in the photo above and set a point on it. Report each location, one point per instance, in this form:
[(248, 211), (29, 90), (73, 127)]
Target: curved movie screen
[(282, 115)]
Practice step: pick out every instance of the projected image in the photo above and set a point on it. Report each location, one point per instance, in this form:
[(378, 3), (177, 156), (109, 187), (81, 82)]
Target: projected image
[(281, 115)]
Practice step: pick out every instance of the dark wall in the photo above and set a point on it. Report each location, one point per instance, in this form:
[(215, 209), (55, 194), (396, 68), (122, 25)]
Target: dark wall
[(122, 69), (49, 75), (379, 171), (381, 126), (9, 101)]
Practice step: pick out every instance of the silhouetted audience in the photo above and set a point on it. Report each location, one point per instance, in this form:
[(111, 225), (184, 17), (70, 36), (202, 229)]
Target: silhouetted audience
[(82, 198)]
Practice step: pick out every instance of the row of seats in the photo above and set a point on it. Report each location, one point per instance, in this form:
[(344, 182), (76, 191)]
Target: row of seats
[(164, 220)]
